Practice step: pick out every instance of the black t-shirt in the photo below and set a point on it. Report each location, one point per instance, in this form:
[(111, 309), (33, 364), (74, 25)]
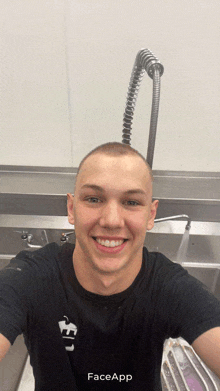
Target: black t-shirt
[(78, 340)]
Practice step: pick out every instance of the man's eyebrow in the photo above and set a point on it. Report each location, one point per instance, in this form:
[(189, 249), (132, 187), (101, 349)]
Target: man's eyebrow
[(98, 188)]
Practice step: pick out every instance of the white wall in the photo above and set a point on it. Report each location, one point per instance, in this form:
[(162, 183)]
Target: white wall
[(82, 52), (35, 128)]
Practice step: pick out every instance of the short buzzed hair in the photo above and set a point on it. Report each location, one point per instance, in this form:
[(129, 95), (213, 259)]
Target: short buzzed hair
[(114, 149)]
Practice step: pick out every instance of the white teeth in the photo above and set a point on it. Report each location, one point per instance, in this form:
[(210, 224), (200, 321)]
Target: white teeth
[(111, 243)]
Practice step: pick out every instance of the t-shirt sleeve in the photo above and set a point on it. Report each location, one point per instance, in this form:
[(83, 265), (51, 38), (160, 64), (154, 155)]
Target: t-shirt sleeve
[(14, 301), (187, 305), (22, 286)]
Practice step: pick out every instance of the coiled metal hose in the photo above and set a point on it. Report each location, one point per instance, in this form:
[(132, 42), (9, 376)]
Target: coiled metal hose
[(145, 61)]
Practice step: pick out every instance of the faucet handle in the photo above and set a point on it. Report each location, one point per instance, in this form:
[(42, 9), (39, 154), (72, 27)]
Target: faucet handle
[(27, 238), (65, 236)]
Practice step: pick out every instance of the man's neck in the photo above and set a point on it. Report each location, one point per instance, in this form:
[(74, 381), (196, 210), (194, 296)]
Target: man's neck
[(105, 284)]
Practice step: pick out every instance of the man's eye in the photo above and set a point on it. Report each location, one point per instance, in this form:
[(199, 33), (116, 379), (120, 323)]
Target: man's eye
[(92, 200), (133, 203)]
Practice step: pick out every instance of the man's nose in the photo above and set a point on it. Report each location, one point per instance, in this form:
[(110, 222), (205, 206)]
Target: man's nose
[(112, 216)]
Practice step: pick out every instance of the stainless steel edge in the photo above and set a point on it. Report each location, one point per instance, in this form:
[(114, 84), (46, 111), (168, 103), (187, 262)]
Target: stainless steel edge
[(42, 191)]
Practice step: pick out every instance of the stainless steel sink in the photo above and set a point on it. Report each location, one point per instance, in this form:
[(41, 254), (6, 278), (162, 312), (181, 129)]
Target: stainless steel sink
[(202, 259), (33, 200)]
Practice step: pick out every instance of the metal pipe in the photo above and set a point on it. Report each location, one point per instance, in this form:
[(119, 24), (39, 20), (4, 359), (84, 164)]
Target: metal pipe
[(177, 217), (145, 61), (154, 117)]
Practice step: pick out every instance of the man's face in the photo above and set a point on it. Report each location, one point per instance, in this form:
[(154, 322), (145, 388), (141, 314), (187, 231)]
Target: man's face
[(111, 207)]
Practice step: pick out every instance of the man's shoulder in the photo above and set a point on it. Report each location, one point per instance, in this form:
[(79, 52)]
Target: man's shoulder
[(158, 264), (36, 261), (156, 258)]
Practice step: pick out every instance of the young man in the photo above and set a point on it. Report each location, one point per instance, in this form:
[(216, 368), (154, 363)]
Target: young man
[(95, 315)]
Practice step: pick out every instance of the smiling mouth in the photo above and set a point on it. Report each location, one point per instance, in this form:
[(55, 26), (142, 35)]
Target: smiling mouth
[(109, 243)]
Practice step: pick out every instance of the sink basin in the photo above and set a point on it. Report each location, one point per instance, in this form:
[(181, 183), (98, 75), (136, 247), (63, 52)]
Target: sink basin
[(202, 258)]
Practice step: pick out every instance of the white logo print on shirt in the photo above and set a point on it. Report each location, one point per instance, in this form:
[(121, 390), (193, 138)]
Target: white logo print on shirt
[(68, 331)]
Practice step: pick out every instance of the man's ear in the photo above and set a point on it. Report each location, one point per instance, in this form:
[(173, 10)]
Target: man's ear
[(70, 202), (153, 212)]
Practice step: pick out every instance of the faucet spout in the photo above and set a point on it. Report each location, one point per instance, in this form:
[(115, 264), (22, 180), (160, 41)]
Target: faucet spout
[(177, 217)]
